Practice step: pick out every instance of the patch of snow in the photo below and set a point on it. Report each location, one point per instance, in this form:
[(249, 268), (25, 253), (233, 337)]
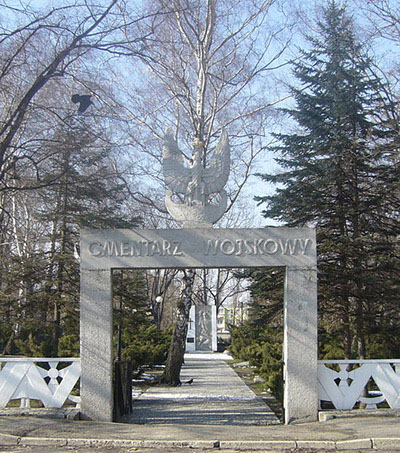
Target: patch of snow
[(195, 397), (208, 356), (146, 377)]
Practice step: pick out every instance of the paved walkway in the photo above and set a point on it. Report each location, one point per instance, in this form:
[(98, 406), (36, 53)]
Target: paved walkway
[(217, 396)]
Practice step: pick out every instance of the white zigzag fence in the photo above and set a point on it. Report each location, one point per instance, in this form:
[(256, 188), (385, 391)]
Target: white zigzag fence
[(344, 388), (51, 380), (47, 380)]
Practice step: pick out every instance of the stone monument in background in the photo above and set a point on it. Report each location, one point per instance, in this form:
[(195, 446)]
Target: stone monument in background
[(202, 329)]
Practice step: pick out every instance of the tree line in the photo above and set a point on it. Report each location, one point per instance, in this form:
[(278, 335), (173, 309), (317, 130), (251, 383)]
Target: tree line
[(198, 67), (339, 172)]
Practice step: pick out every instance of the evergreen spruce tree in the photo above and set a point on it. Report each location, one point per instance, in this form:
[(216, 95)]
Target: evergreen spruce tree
[(338, 175), (80, 190), (85, 193)]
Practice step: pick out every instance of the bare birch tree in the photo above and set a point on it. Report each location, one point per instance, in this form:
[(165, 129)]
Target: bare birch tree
[(209, 68), (384, 16), (47, 53), (40, 47)]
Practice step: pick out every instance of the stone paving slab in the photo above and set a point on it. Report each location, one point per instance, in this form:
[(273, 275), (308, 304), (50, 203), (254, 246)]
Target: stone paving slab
[(217, 397), (333, 430), (201, 411), (211, 378), (346, 435)]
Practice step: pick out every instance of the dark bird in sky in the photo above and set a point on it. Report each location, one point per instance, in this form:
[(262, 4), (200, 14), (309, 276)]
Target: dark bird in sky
[(190, 382), (83, 100)]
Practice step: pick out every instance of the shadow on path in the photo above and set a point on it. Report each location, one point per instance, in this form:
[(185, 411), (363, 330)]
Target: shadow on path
[(217, 397)]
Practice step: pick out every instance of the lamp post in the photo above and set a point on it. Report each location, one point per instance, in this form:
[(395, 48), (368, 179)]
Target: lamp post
[(159, 302)]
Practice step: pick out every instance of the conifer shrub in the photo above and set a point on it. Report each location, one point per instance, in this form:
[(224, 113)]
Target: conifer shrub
[(262, 348), (5, 333), (148, 345), (68, 346), (34, 340)]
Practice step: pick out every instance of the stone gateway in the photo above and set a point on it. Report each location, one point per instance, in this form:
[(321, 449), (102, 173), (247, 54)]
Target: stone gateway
[(292, 248)]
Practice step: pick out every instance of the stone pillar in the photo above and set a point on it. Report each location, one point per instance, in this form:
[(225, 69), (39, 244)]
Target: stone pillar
[(300, 345), (96, 345)]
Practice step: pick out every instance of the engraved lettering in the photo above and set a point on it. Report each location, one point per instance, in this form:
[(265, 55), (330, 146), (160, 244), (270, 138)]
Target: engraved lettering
[(239, 250), (211, 246), (126, 249), (135, 249), (95, 249), (166, 247), (110, 249), (155, 248), (238, 247), (145, 248), (230, 250), (258, 247), (271, 247), (176, 250), (248, 249), (303, 244), (289, 247)]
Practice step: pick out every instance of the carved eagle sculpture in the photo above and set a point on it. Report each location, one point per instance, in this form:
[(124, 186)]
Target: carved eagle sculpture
[(195, 182)]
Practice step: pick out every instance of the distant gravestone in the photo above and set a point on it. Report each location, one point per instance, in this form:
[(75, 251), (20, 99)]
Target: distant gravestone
[(202, 329)]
